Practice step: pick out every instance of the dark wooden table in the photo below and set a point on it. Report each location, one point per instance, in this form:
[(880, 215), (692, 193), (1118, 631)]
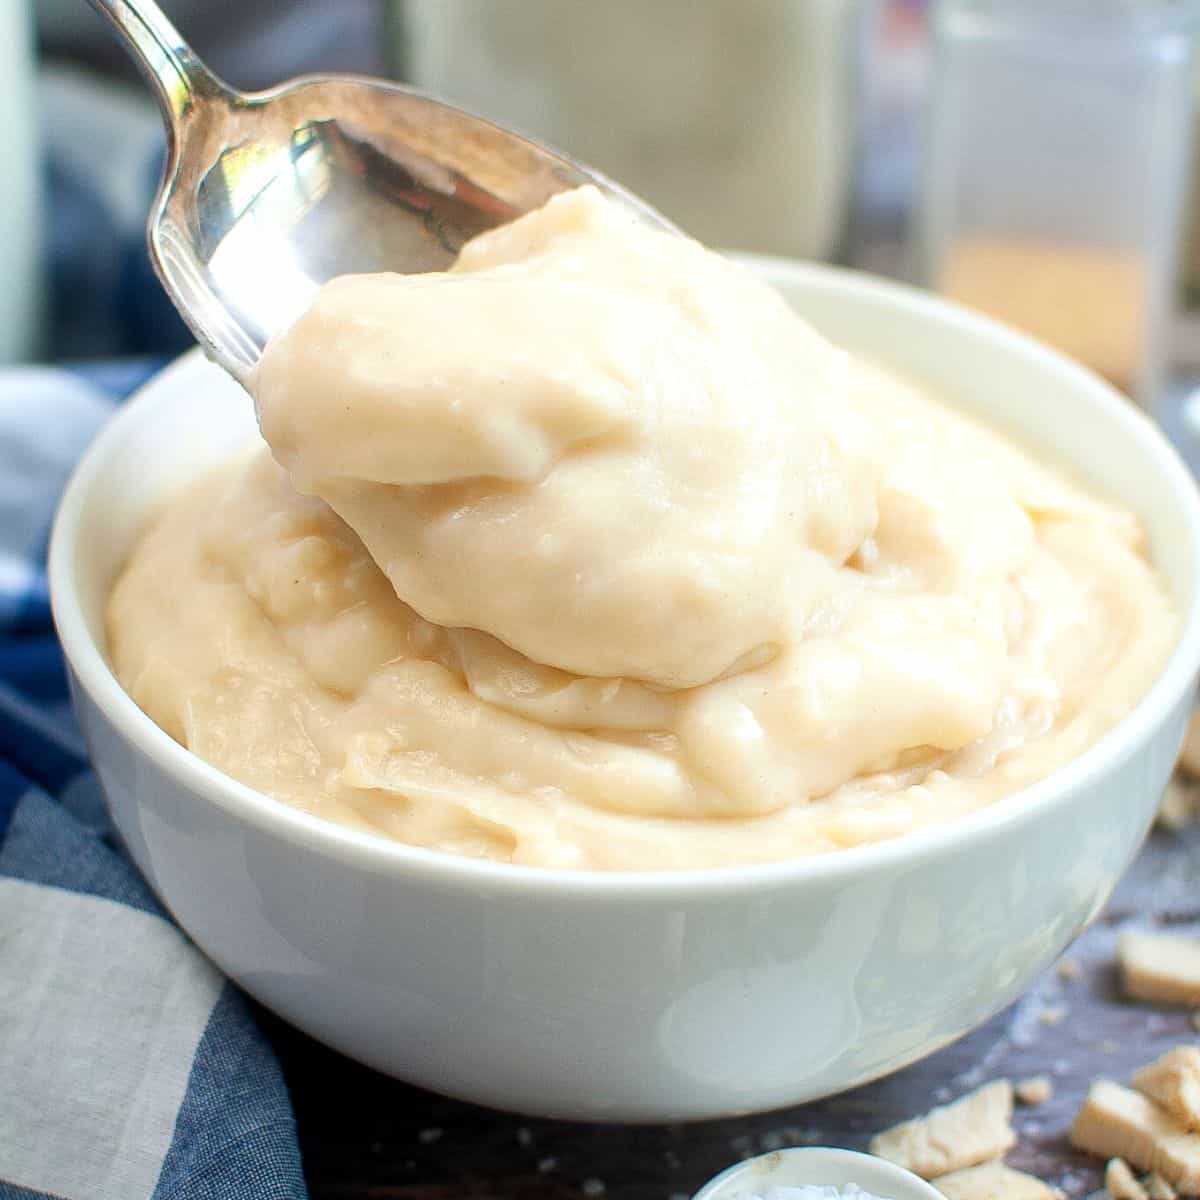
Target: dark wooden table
[(366, 1136)]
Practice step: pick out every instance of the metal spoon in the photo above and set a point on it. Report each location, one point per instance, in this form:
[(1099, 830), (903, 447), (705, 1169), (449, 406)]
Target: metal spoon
[(266, 196)]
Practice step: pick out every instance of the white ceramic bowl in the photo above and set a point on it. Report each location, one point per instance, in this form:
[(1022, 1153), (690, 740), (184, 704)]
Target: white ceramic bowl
[(639, 996)]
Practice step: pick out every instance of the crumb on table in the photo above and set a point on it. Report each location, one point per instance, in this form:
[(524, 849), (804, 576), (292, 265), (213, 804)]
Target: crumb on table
[(1180, 804), (1121, 1183), (992, 1181), (974, 1129), (1157, 1188), (1117, 1122), (1189, 753), (1035, 1090), (1173, 1081), (1162, 968)]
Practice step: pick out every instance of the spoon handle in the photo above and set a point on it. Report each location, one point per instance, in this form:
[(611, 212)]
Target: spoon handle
[(177, 75)]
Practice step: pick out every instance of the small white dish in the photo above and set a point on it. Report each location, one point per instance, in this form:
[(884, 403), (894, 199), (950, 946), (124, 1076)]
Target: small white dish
[(817, 1166)]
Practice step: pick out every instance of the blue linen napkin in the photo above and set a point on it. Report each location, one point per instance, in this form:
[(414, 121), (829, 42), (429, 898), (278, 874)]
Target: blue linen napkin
[(129, 1067)]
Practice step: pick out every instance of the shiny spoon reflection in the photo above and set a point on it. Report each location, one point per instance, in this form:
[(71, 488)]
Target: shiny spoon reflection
[(267, 195)]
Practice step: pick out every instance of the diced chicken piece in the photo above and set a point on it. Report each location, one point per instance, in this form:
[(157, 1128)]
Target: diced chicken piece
[(1161, 967), (1115, 1121), (970, 1131), (1036, 1090), (992, 1181), (1157, 1188), (1189, 754), (1121, 1183), (1174, 1082)]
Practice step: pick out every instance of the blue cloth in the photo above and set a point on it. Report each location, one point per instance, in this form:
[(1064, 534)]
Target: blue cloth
[(103, 155), (128, 1066)]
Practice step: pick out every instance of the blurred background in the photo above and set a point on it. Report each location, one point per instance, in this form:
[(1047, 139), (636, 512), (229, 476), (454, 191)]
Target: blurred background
[(1032, 158)]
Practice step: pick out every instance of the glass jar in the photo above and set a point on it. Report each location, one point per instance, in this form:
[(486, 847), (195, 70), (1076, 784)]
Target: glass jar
[(736, 120), (1055, 168)]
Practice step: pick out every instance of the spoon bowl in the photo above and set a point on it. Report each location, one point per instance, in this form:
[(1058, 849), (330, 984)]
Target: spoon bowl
[(266, 196)]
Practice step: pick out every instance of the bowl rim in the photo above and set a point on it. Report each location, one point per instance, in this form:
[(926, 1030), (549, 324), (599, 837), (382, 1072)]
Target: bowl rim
[(378, 853), (816, 1164)]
